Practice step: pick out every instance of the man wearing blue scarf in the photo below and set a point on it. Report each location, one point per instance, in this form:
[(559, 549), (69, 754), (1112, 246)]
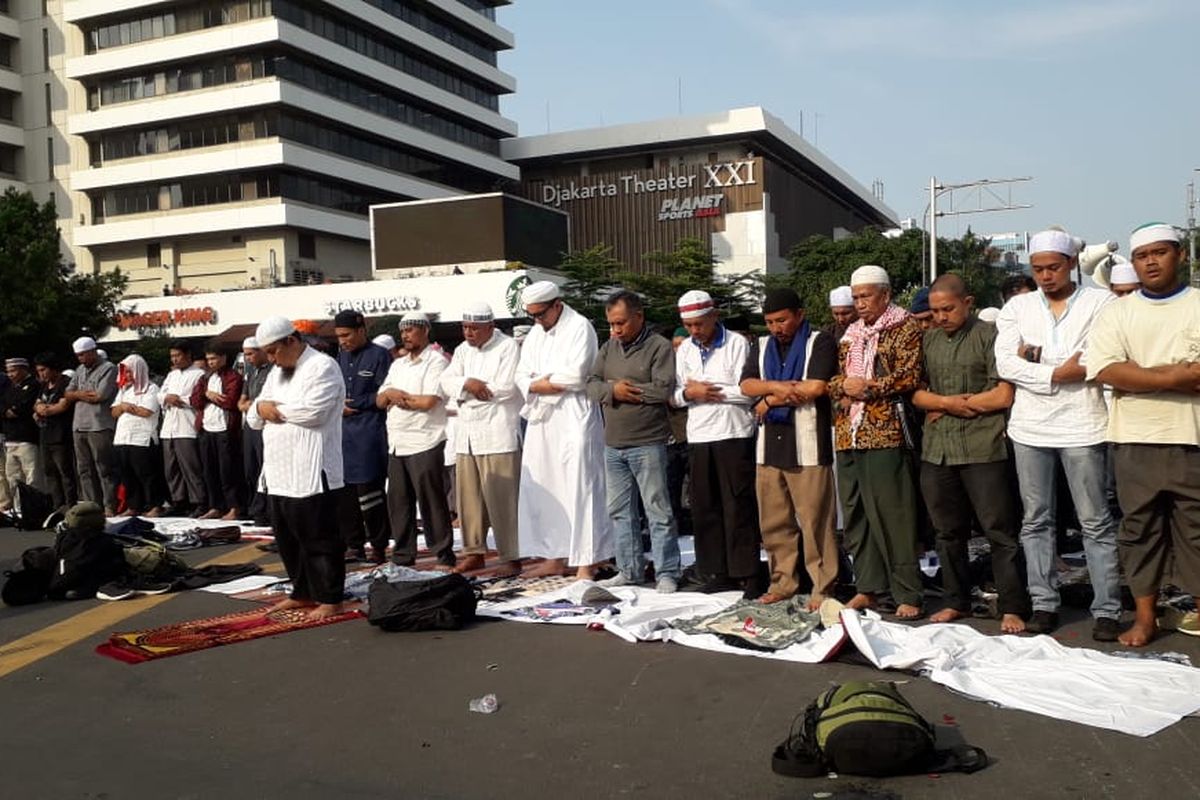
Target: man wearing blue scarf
[(788, 375)]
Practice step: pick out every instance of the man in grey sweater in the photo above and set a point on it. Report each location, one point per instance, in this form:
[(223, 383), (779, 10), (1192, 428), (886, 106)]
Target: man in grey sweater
[(632, 379)]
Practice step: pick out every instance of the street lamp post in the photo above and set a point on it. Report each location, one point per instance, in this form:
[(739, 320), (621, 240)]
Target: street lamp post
[(936, 190)]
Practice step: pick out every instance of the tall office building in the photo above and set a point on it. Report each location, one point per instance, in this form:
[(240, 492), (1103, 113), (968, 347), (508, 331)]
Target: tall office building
[(209, 144)]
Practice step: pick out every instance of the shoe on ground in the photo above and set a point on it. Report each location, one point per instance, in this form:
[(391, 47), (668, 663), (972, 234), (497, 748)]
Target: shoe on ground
[(1175, 619), (666, 585), (616, 580), (145, 585), (1042, 622), (116, 590), (1106, 629), (717, 583)]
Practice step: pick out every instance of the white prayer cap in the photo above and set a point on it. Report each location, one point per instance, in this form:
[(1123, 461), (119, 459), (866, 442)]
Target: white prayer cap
[(520, 332), (1052, 241), (83, 344), (250, 343), (102, 354), (478, 312), (414, 319), (1123, 272), (385, 341), (272, 329), (989, 314), (1152, 232), (540, 292), (70, 373), (695, 304), (840, 297), (869, 275)]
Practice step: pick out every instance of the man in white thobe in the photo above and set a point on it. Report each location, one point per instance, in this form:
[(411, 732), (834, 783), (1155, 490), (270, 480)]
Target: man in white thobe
[(300, 414), (561, 514)]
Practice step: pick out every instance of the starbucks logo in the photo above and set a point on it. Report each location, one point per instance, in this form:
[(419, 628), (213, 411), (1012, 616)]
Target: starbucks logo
[(512, 296)]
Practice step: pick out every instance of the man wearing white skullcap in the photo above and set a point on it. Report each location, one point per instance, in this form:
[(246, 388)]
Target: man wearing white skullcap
[(92, 389), (257, 367), (1059, 419), (841, 307), (300, 414), (880, 358), (1145, 346), (23, 463), (561, 513), (720, 446), (481, 379), (1123, 279), (387, 343), (180, 441), (416, 432)]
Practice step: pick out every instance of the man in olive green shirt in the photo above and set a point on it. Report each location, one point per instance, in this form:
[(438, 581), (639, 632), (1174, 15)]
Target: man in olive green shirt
[(964, 455)]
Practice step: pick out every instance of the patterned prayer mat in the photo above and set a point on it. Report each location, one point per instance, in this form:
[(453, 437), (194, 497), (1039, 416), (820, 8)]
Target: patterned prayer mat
[(201, 634), (501, 590)]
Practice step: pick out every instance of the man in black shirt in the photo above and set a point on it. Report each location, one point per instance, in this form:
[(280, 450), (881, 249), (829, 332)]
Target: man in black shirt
[(22, 464), (52, 412)]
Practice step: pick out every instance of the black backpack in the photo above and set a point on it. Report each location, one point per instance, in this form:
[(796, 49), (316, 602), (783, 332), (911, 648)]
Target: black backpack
[(29, 579), (36, 507), (85, 560), (445, 603), (867, 728)]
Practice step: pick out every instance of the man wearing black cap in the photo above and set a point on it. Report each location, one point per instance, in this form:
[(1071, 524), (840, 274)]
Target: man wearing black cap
[(789, 374), (363, 505)]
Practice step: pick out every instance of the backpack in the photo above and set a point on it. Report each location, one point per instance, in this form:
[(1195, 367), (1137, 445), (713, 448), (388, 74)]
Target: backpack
[(29, 579), (86, 559), (445, 603), (154, 561), (35, 508), (867, 728)]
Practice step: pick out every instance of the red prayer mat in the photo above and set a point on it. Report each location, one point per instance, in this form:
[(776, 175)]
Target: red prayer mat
[(201, 634)]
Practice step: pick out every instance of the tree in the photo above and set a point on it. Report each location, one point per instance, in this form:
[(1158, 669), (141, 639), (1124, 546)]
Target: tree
[(689, 266), (590, 276), (46, 306)]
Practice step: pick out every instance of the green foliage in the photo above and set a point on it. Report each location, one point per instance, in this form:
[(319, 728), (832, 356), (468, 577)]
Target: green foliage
[(591, 275), (45, 305), (689, 266)]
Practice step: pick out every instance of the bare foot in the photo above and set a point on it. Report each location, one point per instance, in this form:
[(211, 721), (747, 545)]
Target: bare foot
[(585, 573), (507, 569), (861, 601), (771, 597), (469, 564), (212, 513), (152, 513), (129, 512), (907, 611), (289, 603), (1139, 635), (548, 567), (231, 515), (1011, 623), (326, 610), (814, 602), (946, 615)]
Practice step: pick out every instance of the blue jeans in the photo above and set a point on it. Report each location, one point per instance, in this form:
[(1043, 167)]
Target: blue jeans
[(1086, 472), (643, 468)]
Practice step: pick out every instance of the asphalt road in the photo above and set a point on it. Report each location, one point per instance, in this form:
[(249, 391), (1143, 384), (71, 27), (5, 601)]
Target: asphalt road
[(346, 711)]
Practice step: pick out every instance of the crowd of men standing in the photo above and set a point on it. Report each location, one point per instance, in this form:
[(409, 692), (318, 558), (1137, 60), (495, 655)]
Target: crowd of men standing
[(564, 447)]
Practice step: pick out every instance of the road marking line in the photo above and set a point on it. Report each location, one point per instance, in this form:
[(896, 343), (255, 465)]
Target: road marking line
[(53, 638)]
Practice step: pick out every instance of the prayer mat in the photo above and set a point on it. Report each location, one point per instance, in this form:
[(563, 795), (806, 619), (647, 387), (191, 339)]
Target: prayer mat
[(773, 626), (188, 637)]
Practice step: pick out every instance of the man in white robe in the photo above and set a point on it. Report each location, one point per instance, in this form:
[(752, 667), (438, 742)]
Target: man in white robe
[(299, 412), (561, 514)]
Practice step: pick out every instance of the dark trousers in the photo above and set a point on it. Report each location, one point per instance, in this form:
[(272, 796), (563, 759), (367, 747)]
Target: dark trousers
[(252, 461), (955, 495), (1159, 541), (310, 545), (419, 480), (724, 511), (140, 477), (677, 471), (185, 474), (58, 462), (880, 506), (222, 470), (97, 468), (363, 516)]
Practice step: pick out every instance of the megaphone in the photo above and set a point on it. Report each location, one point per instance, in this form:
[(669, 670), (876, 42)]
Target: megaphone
[(1095, 254)]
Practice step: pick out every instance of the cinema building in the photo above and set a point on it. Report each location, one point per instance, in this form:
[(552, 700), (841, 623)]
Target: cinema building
[(741, 181)]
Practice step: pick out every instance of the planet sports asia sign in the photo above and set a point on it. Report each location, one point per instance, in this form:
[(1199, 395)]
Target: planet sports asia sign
[(710, 176), (704, 205), (373, 305), (179, 318)]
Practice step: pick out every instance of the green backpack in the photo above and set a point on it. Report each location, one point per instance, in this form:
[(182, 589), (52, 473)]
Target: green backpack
[(866, 728), (154, 561)]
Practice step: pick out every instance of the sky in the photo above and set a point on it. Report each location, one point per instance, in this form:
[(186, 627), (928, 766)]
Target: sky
[(1096, 100)]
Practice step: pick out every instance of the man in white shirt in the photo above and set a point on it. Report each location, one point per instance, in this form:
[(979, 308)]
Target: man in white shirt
[(720, 434), (1057, 418), (561, 515), (300, 414), (1147, 347), (181, 452), (488, 465), (416, 431)]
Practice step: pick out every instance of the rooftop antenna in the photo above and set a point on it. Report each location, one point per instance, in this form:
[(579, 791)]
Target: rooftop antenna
[(679, 93)]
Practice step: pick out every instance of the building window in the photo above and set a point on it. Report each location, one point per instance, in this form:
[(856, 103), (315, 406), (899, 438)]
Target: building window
[(308, 246), (154, 256), (49, 158), (8, 160), (46, 49), (5, 52), (6, 105), (49, 106)]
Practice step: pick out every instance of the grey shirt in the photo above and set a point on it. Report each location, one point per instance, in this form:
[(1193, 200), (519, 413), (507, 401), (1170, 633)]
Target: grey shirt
[(101, 379), (649, 364)]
